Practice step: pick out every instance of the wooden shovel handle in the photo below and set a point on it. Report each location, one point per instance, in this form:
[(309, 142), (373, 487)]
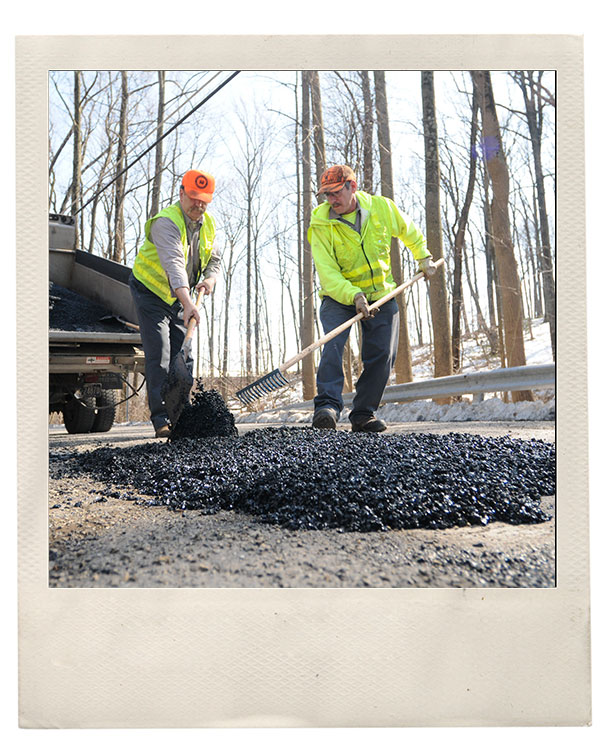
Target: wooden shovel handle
[(348, 323), (193, 322)]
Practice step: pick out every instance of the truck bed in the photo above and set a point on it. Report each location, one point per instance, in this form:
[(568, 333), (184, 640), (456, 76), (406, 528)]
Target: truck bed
[(100, 281), (94, 341)]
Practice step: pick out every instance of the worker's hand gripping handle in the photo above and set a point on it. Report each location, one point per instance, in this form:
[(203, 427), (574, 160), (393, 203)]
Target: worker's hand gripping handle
[(193, 322)]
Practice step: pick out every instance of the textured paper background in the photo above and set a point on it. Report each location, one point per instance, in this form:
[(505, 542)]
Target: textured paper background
[(209, 657)]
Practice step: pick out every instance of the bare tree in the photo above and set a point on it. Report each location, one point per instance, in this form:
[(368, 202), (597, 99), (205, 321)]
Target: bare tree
[(438, 287), (120, 183), (367, 133), (346, 135), (77, 153), (307, 336), (317, 124), (249, 163), (458, 247), (495, 324), (508, 277), (301, 230), (156, 187), (532, 90), (404, 369), (286, 277)]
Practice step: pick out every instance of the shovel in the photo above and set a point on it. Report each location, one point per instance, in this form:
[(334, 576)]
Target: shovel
[(273, 380), (179, 381)]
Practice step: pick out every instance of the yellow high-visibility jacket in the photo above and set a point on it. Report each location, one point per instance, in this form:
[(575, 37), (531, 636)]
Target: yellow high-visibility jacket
[(147, 266), (348, 262)]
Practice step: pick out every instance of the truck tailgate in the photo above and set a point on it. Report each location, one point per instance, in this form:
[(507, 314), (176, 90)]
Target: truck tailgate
[(72, 337)]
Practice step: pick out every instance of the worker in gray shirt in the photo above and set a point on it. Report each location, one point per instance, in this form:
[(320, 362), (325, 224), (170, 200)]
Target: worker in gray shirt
[(177, 257)]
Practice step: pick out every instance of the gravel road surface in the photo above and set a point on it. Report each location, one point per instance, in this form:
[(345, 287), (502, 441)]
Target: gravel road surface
[(97, 540)]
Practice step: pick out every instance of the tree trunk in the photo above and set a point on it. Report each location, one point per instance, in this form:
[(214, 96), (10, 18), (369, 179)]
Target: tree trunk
[(499, 313), (225, 346), (531, 258), (317, 126), (367, 134), (307, 336), (248, 275), (457, 303), (212, 332), (494, 325), (403, 367), (93, 210), (257, 308), (439, 307), (508, 277), (481, 324), (119, 196), (534, 122), (299, 225), (77, 155), (156, 187)]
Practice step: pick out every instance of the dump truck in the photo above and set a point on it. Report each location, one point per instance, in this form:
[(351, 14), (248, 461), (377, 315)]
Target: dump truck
[(95, 347)]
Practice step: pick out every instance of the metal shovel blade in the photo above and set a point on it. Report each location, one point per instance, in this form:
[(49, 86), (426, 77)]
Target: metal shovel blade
[(177, 387), (179, 381)]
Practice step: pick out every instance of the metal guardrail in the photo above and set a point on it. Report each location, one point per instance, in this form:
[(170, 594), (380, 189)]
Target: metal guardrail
[(526, 377), (477, 383)]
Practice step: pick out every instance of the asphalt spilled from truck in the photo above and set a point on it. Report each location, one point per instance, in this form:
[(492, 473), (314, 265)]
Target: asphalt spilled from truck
[(300, 478)]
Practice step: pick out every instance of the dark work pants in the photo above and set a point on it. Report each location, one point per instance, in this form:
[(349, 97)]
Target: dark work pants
[(162, 331), (379, 346)]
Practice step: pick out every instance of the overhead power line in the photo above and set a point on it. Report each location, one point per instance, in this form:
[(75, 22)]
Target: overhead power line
[(154, 144)]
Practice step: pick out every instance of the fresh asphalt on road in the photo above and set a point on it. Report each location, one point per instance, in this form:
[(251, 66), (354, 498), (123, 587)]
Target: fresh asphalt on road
[(143, 432)]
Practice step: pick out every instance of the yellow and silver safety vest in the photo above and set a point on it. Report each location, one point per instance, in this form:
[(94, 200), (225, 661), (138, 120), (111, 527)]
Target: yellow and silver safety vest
[(347, 261), (147, 266)]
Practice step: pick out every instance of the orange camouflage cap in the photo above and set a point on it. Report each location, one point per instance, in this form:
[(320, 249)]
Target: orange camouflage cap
[(335, 177), (199, 185)]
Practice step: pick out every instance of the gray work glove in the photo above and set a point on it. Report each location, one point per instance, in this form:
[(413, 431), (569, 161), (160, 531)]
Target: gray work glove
[(427, 266), (362, 305)]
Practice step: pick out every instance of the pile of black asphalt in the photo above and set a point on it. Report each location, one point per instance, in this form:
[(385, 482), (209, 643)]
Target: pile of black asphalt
[(70, 311), (323, 479), (206, 416)]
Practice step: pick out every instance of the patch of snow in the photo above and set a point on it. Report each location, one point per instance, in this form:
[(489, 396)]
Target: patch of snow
[(464, 411), (423, 411), (475, 352)]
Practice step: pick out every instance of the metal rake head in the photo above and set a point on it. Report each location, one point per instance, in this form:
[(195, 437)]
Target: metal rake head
[(266, 384)]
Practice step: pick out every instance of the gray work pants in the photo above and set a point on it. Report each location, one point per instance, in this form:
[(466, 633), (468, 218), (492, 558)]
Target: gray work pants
[(162, 331)]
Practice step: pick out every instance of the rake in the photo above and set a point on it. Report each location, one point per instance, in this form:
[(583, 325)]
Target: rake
[(276, 379)]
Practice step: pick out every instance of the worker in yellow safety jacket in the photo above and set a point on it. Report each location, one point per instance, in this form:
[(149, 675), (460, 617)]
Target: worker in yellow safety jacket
[(350, 236), (178, 256)]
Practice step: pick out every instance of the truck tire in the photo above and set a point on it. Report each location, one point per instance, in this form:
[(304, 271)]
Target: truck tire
[(79, 415), (104, 418)]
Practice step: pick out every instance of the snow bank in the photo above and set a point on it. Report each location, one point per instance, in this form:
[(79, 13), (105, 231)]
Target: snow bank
[(424, 411), (490, 409)]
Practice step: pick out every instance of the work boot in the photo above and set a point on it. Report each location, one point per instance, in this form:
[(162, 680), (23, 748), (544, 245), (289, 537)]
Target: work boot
[(369, 425), (162, 432), (324, 419)]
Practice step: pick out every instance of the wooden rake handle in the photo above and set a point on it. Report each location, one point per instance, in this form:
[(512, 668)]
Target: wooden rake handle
[(193, 322), (348, 323)]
